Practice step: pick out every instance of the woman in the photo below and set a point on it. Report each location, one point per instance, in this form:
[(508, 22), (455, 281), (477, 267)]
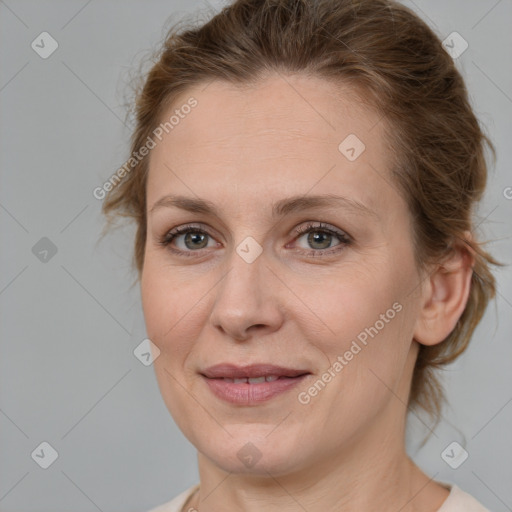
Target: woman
[(305, 249)]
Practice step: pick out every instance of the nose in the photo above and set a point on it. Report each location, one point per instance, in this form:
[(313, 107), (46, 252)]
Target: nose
[(247, 299)]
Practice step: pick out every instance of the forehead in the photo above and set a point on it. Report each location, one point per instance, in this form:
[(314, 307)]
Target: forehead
[(284, 134)]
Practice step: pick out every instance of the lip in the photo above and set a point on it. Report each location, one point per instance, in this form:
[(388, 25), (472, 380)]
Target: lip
[(231, 371), (244, 393)]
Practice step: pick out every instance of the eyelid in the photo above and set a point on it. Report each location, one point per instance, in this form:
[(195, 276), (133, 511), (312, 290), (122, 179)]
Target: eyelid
[(321, 226)]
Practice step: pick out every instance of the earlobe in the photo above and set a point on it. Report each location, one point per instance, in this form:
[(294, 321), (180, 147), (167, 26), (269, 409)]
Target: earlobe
[(445, 295)]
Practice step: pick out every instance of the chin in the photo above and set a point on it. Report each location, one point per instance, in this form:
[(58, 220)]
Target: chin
[(254, 451)]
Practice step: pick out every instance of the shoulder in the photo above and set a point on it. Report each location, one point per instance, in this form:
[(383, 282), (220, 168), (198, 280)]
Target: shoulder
[(460, 501), (177, 502)]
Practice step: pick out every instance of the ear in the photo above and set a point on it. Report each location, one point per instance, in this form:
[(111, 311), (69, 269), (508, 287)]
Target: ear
[(445, 294)]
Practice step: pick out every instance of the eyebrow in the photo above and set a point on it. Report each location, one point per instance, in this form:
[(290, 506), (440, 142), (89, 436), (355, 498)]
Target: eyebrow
[(280, 208)]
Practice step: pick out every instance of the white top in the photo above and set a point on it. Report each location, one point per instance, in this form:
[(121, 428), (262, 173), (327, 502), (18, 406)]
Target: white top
[(457, 501)]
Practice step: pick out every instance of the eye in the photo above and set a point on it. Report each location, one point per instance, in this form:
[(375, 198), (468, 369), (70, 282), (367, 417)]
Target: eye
[(194, 239), (320, 237), (189, 240)]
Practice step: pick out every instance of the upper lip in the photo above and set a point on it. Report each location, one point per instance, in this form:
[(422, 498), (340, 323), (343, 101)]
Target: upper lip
[(232, 371)]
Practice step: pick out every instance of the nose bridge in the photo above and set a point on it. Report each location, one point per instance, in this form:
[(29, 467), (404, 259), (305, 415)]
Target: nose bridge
[(244, 297), (243, 280)]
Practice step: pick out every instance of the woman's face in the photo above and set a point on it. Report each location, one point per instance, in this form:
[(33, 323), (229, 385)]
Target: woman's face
[(337, 302)]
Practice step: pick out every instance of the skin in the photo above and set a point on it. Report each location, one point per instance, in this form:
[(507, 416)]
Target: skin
[(243, 148)]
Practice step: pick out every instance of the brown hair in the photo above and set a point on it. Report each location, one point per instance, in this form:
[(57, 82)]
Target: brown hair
[(383, 49)]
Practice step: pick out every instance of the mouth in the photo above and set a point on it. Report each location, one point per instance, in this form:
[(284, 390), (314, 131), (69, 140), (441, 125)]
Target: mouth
[(253, 371), (251, 385)]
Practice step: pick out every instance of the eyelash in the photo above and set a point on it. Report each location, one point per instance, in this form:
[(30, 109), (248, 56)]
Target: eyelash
[(345, 239)]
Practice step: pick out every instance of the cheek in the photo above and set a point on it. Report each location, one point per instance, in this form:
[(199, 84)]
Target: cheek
[(169, 318), (364, 375), (174, 310), (353, 302), (161, 304), (368, 326)]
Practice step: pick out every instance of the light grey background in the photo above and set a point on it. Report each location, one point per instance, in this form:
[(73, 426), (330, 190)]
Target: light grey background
[(69, 325)]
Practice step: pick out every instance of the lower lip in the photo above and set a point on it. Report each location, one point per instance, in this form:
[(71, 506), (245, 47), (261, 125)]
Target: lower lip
[(251, 394)]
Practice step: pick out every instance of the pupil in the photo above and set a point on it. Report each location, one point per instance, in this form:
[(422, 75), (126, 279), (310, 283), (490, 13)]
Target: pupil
[(316, 236), (195, 237)]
